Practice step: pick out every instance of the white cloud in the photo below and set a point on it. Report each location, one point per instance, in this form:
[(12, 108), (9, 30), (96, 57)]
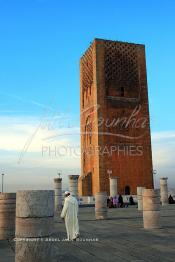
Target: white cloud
[(34, 144), (157, 136), (163, 147), (15, 133), (23, 138)]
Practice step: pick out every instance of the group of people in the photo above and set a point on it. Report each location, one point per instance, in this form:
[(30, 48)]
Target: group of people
[(70, 211), (117, 201), (171, 200)]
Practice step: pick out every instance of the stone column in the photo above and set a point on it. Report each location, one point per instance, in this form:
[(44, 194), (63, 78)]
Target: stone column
[(151, 208), (139, 198), (164, 191), (101, 205), (113, 186), (34, 220), (58, 194), (73, 185), (7, 215)]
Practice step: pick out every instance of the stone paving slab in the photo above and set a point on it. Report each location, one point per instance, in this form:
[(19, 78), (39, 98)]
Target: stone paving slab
[(120, 238)]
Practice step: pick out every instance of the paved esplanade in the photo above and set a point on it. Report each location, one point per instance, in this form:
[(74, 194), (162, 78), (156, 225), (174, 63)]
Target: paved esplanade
[(121, 238)]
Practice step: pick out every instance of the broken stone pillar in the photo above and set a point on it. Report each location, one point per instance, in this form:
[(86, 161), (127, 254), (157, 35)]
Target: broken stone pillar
[(164, 191), (151, 208), (101, 205), (58, 194), (34, 213), (113, 186), (34, 222), (73, 185), (139, 198), (7, 215), (34, 250)]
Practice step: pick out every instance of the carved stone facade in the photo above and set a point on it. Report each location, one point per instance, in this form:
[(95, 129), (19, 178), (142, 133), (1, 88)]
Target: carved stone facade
[(115, 126)]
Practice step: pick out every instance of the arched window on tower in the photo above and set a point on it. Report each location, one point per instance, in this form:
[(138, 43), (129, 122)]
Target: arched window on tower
[(122, 91), (127, 190), (88, 132)]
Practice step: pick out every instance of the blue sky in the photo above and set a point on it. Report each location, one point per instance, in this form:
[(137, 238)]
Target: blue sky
[(41, 42)]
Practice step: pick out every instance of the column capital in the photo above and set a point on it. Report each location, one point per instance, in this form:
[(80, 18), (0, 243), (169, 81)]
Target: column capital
[(113, 177), (73, 177), (164, 178), (57, 180)]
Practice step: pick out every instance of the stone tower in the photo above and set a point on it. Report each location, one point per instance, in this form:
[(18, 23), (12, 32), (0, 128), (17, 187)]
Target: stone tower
[(115, 125)]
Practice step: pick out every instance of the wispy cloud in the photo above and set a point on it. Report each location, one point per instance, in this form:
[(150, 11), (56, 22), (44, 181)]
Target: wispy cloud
[(26, 101)]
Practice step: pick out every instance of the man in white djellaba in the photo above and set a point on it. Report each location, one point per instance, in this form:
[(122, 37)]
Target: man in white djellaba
[(70, 215)]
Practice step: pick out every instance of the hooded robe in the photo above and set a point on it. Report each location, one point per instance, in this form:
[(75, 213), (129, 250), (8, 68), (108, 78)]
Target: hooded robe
[(70, 214)]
